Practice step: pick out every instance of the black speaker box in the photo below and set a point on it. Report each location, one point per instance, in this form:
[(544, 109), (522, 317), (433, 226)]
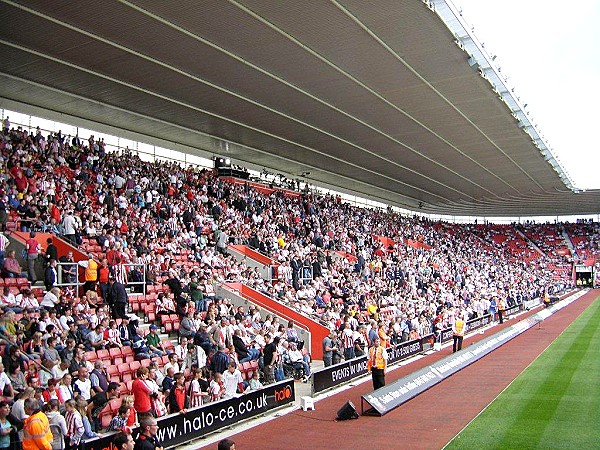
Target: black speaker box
[(347, 412)]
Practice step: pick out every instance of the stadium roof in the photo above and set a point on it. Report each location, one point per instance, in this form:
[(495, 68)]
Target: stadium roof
[(385, 99)]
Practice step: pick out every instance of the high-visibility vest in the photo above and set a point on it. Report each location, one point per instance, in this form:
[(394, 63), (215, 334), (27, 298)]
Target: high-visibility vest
[(459, 327), (91, 272), (376, 358), (36, 433)]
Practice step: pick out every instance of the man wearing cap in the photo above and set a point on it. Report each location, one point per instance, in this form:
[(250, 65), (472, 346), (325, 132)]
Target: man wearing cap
[(153, 342)]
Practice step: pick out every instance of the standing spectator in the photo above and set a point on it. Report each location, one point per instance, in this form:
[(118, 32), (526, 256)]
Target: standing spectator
[(458, 334), (51, 251), (232, 379), (377, 363), (329, 348), (501, 308), (217, 388), (117, 297), (147, 437), (270, 358), (36, 428), (348, 341), (4, 242), (226, 444), (82, 385), (90, 274), (123, 441), (493, 308), (70, 225), (103, 278), (51, 409), (75, 427), (178, 400), (219, 361), (141, 394), (33, 250), (69, 269), (50, 274), (6, 428)]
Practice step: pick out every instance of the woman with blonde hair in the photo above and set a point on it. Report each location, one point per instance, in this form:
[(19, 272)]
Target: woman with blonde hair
[(132, 421)]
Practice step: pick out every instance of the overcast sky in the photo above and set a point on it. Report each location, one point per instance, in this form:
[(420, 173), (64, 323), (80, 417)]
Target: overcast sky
[(550, 50)]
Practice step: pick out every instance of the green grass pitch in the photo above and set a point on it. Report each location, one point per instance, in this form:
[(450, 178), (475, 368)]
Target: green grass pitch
[(553, 404)]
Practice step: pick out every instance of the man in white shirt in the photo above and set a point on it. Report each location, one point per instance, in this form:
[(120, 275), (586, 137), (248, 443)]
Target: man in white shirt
[(232, 379), (82, 384), (6, 389)]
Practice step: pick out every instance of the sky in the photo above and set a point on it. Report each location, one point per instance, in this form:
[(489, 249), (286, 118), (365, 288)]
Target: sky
[(550, 51)]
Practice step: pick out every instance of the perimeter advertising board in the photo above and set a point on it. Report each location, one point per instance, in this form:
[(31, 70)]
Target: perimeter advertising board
[(391, 396), (349, 370), (177, 429)]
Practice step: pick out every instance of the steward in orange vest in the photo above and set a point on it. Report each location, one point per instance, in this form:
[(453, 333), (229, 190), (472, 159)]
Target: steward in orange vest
[(36, 429), (377, 363), (91, 273), (458, 333)]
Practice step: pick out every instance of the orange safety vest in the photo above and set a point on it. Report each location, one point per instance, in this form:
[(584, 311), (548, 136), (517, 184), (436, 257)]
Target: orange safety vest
[(36, 433), (376, 358), (91, 272), (459, 327)]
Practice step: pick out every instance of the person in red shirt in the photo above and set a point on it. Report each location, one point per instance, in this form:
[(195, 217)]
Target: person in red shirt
[(141, 393), (33, 251), (178, 400)]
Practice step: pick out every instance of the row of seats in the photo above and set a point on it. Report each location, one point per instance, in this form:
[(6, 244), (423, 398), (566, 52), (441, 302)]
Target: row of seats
[(120, 355), (18, 282)]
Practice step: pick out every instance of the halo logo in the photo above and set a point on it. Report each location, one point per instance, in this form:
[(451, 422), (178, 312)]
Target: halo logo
[(283, 394)]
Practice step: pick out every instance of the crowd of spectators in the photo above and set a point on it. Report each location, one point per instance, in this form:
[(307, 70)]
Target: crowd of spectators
[(329, 265)]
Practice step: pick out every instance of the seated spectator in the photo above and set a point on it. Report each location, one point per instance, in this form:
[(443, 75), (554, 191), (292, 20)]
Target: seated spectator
[(127, 329), (11, 267), (17, 378), (181, 348), (244, 353), (173, 363), (95, 339), (8, 301), (51, 409), (6, 389), (120, 420), (195, 357), (254, 383), (112, 335), (187, 327), (298, 360), (98, 401), (153, 342), (204, 339), (99, 378)]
